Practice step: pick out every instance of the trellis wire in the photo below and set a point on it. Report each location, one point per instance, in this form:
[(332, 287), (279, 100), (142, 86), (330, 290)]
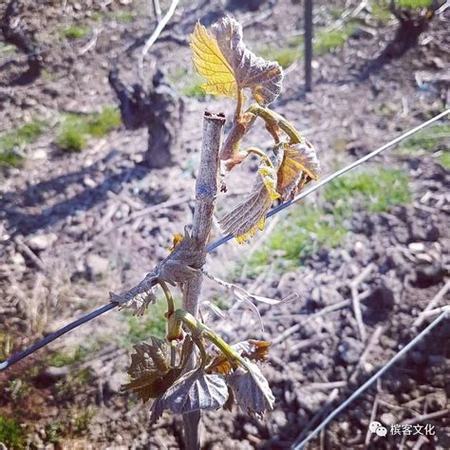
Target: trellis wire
[(371, 380), (214, 245), (340, 172)]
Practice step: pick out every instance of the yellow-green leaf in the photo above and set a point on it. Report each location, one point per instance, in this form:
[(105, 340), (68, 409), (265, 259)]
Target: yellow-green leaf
[(211, 63), (269, 178), (221, 57)]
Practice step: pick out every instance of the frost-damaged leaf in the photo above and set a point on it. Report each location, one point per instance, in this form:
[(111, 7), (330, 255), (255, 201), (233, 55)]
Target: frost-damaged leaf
[(300, 164), (252, 349), (176, 239), (148, 356), (194, 391), (222, 58), (251, 390), (242, 295), (136, 299), (152, 383), (249, 216), (150, 371)]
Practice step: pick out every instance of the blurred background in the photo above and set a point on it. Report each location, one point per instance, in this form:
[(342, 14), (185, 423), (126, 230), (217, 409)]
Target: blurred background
[(98, 156)]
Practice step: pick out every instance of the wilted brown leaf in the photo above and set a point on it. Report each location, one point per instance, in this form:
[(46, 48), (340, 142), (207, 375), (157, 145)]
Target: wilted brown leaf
[(150, 370), (299, 165), (251, 349), (251, 390), (149, 356), (152, 384), (249, 216)]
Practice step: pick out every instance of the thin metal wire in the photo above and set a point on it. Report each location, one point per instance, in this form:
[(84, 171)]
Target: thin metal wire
[(340, 172), (371, 380), (52, 336), (214, 245)]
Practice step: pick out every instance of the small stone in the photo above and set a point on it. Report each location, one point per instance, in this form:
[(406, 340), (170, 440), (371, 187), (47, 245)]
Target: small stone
[(416, 247), (115, 382), (311, 400), (388, 419), (350, 350), (288, 283), (438, 400), (96, 265), (42, 241), (89, 182), (39, 154), (249, 428), (279, 418), (17, 259)]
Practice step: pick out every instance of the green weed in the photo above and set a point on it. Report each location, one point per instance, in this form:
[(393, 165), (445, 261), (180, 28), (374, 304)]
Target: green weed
[(75, 32), (73, 383), (374, 190), (194, 90), (82, 419), (11, 433), (325, 41), (221, 302), (413, 4), (7, 49), (9, 158), (309, 228), (72, 134), (17, 139), (54, 432), (187, 83), (380, 11), (124, 16), (61, 359), (430, 139), (285, 56), (305, 231), (18, 389), (76, 129), (329, 40), (99, 125), (152, 324), (444, 160)]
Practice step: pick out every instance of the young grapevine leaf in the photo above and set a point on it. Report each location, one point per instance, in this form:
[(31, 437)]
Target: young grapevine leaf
[(149, 356), (251, 390), (150, 372), (221, 57), (152, 384), (194, 391)]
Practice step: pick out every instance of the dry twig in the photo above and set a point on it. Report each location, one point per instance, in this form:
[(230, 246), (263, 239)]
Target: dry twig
[(372, 342), (433, 302), (355, 299), (154, 36)]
